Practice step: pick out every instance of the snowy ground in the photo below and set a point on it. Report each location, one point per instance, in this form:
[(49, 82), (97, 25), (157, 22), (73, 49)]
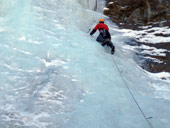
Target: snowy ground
[(54, 75), (149, 38)]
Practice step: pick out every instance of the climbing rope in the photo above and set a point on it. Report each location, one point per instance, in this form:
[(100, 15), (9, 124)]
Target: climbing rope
[(150, 125)]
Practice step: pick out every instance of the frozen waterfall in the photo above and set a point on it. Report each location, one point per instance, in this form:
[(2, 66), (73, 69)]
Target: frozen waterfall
[(54, 75)]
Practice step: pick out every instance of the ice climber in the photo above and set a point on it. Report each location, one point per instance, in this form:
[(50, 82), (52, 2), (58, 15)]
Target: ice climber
[(104, 36)]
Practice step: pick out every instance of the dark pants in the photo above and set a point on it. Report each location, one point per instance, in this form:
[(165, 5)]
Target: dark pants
[(104, 41)]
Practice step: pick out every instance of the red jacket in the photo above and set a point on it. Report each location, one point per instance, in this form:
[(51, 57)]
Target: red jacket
[(99, 27)]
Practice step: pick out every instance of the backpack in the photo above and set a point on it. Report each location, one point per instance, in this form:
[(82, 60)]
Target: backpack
[(103, 32)]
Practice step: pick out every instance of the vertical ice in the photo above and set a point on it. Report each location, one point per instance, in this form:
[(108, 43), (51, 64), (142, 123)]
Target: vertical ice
[(53, 75)]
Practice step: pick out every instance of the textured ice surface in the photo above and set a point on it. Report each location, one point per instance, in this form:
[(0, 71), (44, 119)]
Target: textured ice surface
[(53, 75)]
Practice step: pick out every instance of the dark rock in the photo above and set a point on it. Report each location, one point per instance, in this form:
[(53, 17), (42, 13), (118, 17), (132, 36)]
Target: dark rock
[(160, 45), (139, 12), (134, 14), (152, 66), (161, 34)]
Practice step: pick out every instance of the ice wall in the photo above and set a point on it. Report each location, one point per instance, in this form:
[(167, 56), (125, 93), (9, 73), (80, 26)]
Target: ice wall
[(54, 75), (96, 5), (41, 57)]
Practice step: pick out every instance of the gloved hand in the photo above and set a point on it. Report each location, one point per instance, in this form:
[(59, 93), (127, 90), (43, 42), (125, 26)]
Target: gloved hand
[(103, 44)]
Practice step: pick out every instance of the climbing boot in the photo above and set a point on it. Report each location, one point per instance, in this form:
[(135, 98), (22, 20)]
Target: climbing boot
[(113, 50)]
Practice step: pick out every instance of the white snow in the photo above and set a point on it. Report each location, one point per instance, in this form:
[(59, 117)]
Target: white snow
[(22, 38), (106, 8), (111, 2), (162, 75), (153, 50), (149, 37), (1, 30), (55, 76)]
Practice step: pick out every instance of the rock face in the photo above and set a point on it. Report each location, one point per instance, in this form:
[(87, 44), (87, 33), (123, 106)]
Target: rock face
[(154, 15), (140, 12)]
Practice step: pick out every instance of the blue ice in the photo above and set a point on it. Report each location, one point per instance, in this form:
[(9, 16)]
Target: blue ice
[(54, 75)]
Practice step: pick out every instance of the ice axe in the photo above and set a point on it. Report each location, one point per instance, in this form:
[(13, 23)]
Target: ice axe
[(89, 30)]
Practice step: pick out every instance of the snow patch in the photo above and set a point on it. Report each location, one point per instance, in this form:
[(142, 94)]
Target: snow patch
[(153, 50), (22, 38), (111, 2), (106, 9), (2, 30), (162, 75), (60, 26)]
